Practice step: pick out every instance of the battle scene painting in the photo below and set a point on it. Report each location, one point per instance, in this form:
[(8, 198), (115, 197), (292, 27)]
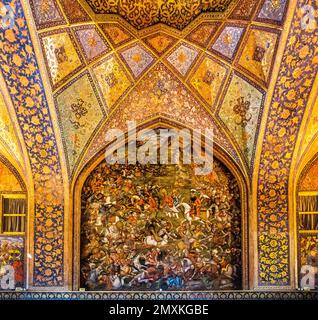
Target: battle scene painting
[(11, 263), (160, 227), (308, 257)]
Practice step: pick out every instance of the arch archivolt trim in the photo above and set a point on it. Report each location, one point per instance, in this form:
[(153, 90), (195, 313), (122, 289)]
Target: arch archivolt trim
[(59, 146), (22, 170), (304, 157), (16, 172), (305, 163)]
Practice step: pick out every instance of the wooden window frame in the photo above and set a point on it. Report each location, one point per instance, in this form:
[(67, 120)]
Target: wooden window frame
[(301, 213), (11, 196)]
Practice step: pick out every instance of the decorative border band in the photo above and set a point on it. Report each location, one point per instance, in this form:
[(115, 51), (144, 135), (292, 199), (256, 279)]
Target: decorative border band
[(171, 295)]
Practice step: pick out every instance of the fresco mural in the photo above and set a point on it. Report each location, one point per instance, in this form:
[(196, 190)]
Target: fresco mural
[(11, 263), (160, 227), (308, 256)]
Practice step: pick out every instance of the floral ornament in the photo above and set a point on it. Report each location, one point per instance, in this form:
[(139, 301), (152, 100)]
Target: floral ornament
[(297, 73), (110, 79), (159, 89), (209, 77), (142, 14), (50, 190), (52, 60), (79, 110), (20, 71), (241, 108)]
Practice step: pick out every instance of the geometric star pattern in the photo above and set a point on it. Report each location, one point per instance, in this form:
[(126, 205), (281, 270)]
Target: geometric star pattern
[(160, 42), (244, 9), (182, 58), (159, 92), (228, 41), (91, 42), (116, 34), (62, 57), (203, 33), (272, 11), (208, 79), (206, 75), (74, 11), (46, 13), (145, 13), (112, 80), (258, 53), (137, 58)]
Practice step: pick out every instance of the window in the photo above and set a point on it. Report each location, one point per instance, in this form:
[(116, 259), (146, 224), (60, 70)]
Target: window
[(13, 208), (308, 212)]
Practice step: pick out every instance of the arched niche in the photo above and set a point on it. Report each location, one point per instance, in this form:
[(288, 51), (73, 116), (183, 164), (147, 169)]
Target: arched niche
[(222, 161), (13, 227), (307, 225)]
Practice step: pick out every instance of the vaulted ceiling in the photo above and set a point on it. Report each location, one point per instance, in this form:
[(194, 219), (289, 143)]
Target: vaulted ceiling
[(200, 63), (174, 13)]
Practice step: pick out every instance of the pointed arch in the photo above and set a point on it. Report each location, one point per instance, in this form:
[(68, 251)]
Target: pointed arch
[(218, 152)]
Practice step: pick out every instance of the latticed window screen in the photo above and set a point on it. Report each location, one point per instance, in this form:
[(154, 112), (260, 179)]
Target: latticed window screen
[(308, 212), (13, 214)]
